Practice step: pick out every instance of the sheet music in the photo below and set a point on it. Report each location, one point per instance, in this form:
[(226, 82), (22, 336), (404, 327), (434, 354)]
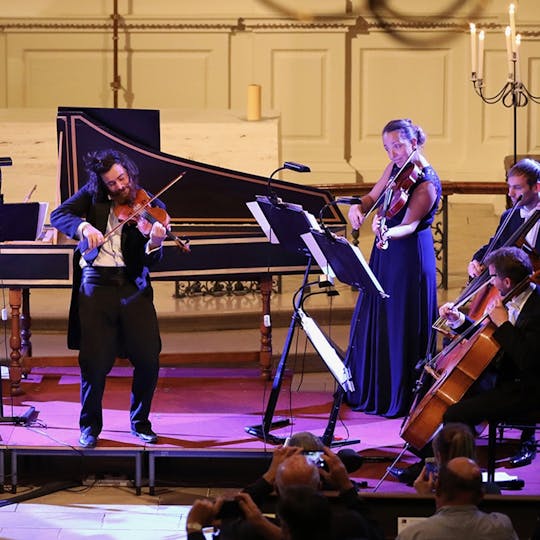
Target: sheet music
[(42, 214), (337, 257), (327, 352)]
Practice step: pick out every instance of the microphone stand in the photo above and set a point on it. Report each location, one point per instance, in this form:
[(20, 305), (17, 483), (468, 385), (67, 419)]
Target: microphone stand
[(290, 165), (27, 416)]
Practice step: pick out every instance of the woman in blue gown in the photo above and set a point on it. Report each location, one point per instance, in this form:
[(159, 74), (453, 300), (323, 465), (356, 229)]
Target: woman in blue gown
[(390, 335)]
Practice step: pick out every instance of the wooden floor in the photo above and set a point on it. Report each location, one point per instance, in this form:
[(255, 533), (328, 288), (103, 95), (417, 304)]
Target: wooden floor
[(200, 413)]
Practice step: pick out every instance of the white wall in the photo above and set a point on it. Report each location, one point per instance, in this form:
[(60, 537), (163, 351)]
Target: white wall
[(334, 81)]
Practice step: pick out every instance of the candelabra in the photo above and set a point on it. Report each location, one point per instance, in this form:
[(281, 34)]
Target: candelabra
[(514, 93)]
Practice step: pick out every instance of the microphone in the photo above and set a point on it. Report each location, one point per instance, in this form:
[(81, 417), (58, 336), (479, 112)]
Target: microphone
[(292, 166), (348, 200), (298, 167)]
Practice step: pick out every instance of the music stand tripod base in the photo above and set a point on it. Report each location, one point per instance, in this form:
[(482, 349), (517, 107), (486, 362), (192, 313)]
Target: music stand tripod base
[(259, 431), (22, 420)]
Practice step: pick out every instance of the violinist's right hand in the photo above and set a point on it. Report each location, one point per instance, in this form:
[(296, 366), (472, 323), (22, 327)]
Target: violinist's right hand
[(356, 217), (93, 235), (449, 312), (475, 268)]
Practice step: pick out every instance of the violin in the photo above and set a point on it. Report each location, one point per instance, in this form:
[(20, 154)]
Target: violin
[(129, 213), (402, 184), (396, 195), (144, 216)]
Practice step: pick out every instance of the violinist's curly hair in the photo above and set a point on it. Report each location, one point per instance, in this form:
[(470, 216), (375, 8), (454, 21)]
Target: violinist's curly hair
[(407, 129), (101, 161), (527, 167)]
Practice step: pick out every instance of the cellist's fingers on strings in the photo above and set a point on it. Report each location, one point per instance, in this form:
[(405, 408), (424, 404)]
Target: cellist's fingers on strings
[(497, 312), (474, 268), (449, 312), (92, 235)]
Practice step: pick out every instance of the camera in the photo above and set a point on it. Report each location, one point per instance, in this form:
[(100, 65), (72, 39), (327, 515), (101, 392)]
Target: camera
[(230, 509), (316, 459), (431, 467)]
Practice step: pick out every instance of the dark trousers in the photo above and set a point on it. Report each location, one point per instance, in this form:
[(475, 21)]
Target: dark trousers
[(511, 401), (116, 318)]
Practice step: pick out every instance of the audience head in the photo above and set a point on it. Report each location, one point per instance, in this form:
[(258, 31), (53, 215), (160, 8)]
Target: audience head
[(459, 482), (307, 441), (304, 513), (297, 471), (454, 440)]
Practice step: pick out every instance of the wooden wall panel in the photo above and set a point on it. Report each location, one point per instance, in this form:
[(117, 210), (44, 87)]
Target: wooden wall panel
[(333, 82)]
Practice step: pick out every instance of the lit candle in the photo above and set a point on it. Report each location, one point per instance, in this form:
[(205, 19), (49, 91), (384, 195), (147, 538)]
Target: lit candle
[(507, 34), (473, 47), (481, 37), (518, 45), (511, 13)]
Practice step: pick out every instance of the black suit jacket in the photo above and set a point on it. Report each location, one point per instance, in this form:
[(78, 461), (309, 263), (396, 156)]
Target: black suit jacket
[(519, 361), (83, 206), (516, 221)]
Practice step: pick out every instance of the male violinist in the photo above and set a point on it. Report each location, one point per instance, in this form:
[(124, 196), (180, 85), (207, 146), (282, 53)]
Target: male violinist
[(112, 311), (516, 391), (524, 191)]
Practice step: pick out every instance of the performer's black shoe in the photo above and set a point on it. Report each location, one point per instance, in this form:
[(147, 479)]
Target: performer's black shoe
[(145, 434), (525, 455), (407, 475), (87, 440)]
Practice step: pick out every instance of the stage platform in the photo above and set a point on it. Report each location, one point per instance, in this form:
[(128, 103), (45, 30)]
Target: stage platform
[(200, 414)]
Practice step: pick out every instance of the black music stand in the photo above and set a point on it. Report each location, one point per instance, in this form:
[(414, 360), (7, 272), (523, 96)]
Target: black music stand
[(337, 257), (282, 223)]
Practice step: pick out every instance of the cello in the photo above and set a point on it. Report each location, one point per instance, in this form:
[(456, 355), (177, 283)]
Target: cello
[(479, 290), (463, 361)]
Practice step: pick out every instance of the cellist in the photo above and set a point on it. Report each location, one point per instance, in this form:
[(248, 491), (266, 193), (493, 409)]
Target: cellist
[(517, 366), (524, 191), (523, 182)]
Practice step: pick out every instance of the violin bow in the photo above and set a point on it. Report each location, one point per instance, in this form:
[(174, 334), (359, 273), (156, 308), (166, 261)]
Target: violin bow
[(140, 209)]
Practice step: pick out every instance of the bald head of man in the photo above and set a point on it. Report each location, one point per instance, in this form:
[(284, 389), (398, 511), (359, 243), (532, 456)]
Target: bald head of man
[(459, 483), (297, 471)]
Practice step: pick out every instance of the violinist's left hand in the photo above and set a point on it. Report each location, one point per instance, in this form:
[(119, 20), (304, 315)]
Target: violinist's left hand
[(497, 312), (381, 233), (157, 235)]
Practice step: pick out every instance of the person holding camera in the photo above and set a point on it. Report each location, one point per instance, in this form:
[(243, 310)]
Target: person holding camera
[(242, 518), (457, 495), (295, 466)]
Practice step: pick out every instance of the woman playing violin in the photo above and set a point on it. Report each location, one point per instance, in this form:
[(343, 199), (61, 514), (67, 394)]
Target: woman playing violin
[(112, 312), (389, 336)]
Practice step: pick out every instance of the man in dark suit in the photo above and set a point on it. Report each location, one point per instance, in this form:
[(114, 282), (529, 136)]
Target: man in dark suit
[(517, 322), (516, 368), (112, 311), (523, 190)]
